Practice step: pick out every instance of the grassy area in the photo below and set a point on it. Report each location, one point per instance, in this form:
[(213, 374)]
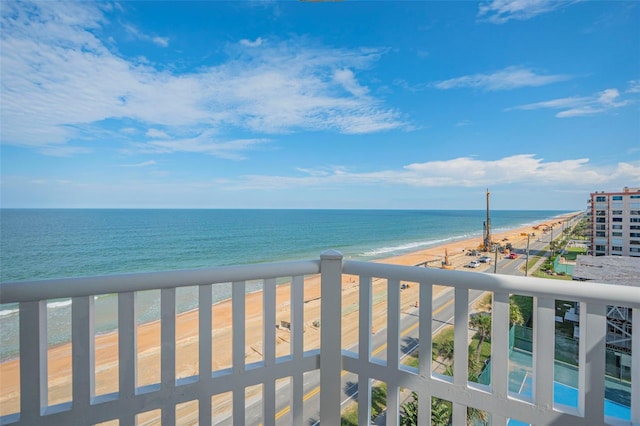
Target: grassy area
[(572, 253), (349, 416), (532, 261), (541, 274)]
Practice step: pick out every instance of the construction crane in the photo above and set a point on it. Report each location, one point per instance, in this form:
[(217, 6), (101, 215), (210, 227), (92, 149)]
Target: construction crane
[(486, 241)]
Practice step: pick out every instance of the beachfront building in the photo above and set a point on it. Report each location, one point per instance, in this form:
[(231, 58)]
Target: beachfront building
[(615, 223), (612, 270), (311, 384)]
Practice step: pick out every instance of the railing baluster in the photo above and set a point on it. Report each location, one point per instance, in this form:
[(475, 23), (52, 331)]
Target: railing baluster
[(364, 347), (330, 344), (33, 361), (500, 345), (83, 355), (269, 321), (127, 353), (543, 351), (205, 351), (393, 324), (592, 358), (393, 405), (460, 349), (461, 337), (168, 352), (393, 348), (238, 302), (297, 347), (425, 304)]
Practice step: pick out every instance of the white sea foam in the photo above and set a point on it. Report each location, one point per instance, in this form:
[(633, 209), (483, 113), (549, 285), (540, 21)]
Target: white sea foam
[(406, 247), (59, 303), (7, 312)]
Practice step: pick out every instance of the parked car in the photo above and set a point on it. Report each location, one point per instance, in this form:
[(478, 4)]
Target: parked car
[(512, 256), (485, 259), (472, 264)]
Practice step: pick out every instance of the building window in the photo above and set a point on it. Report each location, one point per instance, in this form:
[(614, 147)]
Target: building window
[(617, 197), (601, 248), (601, 234), (634, 234), (617, 219), (616, 234), (601, 213), (634, 250), (634, 220), (616, 212), (635, 196), (634, 227), (601, 227), (616, 248), (634, 242), (600, 199), (616, 227), (634, 212)]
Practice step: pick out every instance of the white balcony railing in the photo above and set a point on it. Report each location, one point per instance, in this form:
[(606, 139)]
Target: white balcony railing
[(332, 360)]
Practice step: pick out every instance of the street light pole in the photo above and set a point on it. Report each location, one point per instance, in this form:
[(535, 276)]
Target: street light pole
[(526, 265)]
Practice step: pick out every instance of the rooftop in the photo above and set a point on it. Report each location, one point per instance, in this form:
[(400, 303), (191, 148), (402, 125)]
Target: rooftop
[(608, 269)]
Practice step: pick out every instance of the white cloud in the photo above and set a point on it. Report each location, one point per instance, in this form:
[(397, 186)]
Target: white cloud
[(634, 86), (60, 84), (506, 79), (142, 164), (202, 143), (160, 41), (501, 11), (156, 134), (347, 79), (524, 169), (580, 106), (256, 43)]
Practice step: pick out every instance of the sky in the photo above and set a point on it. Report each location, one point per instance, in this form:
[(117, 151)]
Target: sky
[(353, 104)]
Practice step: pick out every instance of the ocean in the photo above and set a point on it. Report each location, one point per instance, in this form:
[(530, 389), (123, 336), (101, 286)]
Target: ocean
[(56, 243)]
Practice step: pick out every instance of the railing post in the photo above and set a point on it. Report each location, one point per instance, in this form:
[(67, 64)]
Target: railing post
[(330, 336)]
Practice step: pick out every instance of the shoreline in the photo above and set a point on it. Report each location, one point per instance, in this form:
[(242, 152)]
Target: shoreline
[(106, 352)]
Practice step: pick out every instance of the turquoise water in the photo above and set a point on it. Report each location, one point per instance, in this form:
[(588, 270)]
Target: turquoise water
[(617, 394), (56, 243)]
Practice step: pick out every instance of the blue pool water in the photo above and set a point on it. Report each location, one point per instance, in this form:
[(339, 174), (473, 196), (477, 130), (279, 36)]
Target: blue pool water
[(567, 395)]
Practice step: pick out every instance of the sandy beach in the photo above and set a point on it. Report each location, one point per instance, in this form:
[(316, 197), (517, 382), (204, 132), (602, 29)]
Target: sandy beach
[(148, 340)]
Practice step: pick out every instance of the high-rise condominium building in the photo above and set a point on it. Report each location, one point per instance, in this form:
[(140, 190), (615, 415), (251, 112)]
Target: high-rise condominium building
[(615, 223)]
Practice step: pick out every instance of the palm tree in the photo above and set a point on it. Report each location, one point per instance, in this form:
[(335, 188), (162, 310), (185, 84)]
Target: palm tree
[(482, 323), (515, 314)]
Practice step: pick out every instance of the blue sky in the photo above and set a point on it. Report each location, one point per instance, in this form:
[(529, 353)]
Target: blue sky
[(386, 105)]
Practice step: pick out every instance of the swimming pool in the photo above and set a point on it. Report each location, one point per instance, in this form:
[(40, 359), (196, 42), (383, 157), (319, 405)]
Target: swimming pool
[(567, 395)]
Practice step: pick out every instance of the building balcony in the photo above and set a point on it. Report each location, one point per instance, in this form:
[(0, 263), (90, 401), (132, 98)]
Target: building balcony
[(369, 319)]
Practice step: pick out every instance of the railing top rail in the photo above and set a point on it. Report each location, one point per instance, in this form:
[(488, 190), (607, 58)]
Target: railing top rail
[(25, 291), (582, 291), (28, 291)]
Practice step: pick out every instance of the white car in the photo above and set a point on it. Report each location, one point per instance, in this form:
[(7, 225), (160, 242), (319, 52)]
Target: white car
[(473, 264), (485, 259)]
